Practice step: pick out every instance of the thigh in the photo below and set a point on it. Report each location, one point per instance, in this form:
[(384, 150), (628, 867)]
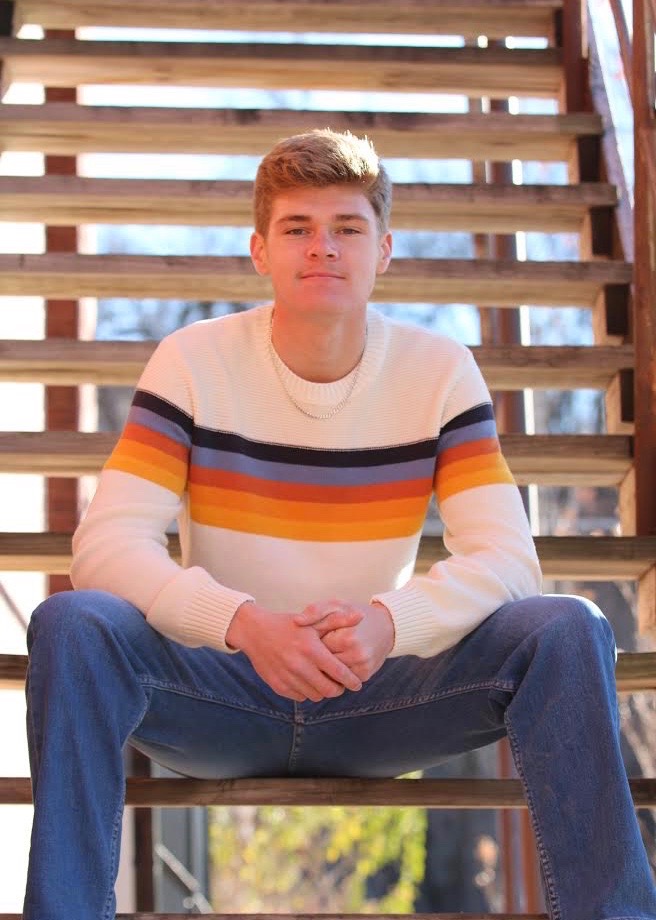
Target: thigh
[(195, 710), (416, 712)]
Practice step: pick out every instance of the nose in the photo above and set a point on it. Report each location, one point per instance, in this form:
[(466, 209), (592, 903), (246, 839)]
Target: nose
[(322, 245)]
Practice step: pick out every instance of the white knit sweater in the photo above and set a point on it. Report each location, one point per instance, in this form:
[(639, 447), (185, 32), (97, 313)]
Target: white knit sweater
[(286, 509)]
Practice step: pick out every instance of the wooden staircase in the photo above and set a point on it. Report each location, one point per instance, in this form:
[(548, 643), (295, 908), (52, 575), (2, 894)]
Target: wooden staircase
[(600, 281)]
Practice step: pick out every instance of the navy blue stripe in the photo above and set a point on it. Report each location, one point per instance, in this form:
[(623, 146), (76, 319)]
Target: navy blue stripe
[(482, 413), (210, 438), (309, 456), (165, 409)]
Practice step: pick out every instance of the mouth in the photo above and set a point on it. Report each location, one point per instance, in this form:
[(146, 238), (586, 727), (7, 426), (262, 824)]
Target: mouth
[(305, 276)]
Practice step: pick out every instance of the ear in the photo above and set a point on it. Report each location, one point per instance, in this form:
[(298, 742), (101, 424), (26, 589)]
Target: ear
[(385, 253), (258, 254)]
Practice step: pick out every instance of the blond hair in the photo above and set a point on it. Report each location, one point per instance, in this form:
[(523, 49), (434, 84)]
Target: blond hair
[(318, 159)]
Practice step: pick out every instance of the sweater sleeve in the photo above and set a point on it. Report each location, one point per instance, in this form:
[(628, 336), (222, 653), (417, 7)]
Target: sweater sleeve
[(492, 554), (121, 545)]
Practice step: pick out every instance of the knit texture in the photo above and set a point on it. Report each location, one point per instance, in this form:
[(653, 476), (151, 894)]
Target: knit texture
[(286, 509)]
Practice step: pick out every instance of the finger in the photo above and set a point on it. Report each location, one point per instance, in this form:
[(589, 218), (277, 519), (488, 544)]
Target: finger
[(314, 613), (336, 670), (341, 619), (316, 686), (336, 641)]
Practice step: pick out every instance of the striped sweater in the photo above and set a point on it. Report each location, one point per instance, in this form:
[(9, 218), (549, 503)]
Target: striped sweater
[(285, 509)]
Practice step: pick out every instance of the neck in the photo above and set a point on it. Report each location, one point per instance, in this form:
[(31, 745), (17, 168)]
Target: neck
[(320, 352)]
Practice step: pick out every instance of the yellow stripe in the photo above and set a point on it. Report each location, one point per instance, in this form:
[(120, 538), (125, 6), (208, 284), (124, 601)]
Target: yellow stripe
[(157, 473), (263, 525)]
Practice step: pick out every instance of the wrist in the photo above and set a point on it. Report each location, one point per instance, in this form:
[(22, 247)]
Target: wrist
[(237, 631), (388, 620)]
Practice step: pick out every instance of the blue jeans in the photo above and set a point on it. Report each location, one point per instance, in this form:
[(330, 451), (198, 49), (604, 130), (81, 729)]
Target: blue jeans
[(540, 670)]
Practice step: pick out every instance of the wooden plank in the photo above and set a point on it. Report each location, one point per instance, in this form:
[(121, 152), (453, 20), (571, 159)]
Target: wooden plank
[(66, 129), (325, 791), (471, 71), (482, 282), (578, 558), (65, 200), (635, 671), (592, 460), (505, 367), (13, 670), (478, 17), (140, 915)]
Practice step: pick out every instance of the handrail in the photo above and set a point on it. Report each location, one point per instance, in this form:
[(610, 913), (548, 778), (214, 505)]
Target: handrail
[(623, 36), (616, 172), (637, 54)]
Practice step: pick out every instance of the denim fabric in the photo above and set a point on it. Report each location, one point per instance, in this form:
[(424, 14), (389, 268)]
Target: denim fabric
[(540, 670)]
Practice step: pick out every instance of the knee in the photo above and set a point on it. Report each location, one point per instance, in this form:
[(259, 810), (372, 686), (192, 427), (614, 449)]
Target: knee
[(69, 619), (574, 621)]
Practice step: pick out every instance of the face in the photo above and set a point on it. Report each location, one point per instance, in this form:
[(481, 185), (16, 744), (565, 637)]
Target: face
[(322, 251)]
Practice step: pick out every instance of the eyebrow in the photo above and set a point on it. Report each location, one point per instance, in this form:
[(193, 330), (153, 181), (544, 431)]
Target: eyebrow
[(306, 218)]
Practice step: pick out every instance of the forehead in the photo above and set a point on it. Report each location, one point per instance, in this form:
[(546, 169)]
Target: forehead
[(322, 203)]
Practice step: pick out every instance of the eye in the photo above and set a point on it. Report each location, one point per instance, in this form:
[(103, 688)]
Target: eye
[(295, 231), (349, 230)]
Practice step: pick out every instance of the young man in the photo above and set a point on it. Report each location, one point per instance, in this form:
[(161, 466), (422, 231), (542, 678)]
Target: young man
[(299, 444)]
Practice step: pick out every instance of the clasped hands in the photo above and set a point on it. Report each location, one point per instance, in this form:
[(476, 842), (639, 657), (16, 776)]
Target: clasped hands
[(329, 647)]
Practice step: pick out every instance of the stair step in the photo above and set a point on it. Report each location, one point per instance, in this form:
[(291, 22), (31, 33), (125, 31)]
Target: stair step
[(471, 71), (420, 793), (67, 200), (598, 558), (477, 17), (635, 671), (69, 362), (484, 282), (322, 916), (592, 460), (68, 129)]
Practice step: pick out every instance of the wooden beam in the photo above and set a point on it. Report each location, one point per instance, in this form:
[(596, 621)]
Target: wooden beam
[(478, 17), (417, 206), (414, 793), (577, 558), (66, 129), (505, 367), (482, 282), (591, 460), (472, 71), (141, 915), (635, 671)]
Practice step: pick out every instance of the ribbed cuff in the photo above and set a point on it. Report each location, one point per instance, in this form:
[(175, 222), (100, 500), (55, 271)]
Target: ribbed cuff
[(414, 620), (195, 610)]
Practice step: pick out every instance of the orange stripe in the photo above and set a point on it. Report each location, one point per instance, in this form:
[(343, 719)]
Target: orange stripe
[(323, 532), (143, 435), (500, 474), (471, 465), (148, 463), (470, 449), (289, 491), (201, 496)]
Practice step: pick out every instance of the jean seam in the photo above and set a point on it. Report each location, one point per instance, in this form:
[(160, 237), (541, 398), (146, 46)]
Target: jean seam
[(206, 697), (555, 911), (297, 738), (410, 702), (118, 820)]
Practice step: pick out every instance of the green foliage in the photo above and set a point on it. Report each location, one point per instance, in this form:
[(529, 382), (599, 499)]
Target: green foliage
[(304, 860)]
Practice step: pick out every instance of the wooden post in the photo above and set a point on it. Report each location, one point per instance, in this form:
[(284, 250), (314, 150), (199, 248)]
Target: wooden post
[(61, 321), (644, 98)]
